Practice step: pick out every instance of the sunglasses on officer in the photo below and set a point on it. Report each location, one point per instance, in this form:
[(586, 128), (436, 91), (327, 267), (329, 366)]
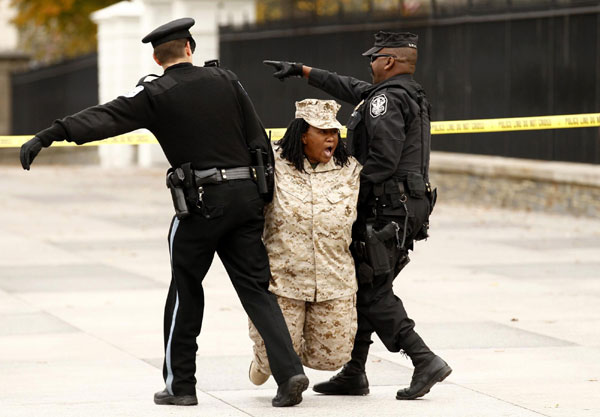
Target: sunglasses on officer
[(375, 56)]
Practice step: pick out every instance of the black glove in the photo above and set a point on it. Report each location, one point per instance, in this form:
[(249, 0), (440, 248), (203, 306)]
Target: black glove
[(29, 151), (285, 69)]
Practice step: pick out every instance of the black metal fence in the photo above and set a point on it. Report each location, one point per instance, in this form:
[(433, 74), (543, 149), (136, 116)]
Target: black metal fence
[(477, 59), (522, 60), (39, 96)]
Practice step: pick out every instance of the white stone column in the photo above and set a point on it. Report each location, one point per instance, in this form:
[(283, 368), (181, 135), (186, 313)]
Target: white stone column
[(209, 14), (206, 29), (119, 50), (11, 60), (8, 32), (123, 59), (156, 13), (237, 12)]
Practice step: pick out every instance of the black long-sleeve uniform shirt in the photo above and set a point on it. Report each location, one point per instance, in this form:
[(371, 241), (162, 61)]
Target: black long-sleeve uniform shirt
[(200, 115), (384, 131)]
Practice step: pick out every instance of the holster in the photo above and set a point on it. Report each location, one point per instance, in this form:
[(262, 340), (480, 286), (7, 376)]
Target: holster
[(364, 272), (377, 252), (431, 195), (186, 188), (175, 184), (189, 183), (263, 173), (372, 252)]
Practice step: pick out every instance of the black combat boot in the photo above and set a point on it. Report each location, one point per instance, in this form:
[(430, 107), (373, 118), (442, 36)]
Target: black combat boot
[(346, 382), (290, 392), (352, 379), (429, 370), (164, 398)]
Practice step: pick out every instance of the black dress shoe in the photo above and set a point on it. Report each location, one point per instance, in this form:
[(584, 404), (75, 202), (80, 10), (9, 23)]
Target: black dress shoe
[(290, 392), (425, 377), (164, 398), (342, 384)]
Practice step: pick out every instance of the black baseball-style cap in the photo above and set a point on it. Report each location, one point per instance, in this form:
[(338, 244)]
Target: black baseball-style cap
[(392, 40), (176, 29)]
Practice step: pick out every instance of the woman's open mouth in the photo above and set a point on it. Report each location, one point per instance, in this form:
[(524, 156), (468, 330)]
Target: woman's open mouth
[(328, 151)]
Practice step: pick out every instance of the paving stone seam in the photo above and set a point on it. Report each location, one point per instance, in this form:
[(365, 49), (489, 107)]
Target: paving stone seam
[(106, 342), (225, 402)]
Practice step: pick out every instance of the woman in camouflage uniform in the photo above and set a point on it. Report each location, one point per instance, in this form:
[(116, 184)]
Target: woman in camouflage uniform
[(307, 235)]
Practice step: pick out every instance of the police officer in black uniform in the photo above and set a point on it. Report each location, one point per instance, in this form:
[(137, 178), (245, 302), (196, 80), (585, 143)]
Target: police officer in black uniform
[(389, 134), (208, 130)]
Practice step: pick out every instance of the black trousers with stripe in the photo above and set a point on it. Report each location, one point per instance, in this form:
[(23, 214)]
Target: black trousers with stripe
[(231, 226)]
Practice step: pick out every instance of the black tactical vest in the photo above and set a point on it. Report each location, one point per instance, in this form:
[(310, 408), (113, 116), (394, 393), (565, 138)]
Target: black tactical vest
[(358, 138)]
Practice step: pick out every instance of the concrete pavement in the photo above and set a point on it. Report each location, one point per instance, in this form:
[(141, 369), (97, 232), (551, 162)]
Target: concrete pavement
[(510, 299)]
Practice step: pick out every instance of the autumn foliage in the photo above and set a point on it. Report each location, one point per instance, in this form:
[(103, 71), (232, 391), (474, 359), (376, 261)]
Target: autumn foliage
[(52, 30)]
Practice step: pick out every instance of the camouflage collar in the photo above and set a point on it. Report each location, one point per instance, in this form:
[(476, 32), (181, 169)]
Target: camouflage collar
[(329, 166)]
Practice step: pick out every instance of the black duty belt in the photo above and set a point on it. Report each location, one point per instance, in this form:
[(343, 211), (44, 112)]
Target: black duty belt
[(403, 175), (215, 175)]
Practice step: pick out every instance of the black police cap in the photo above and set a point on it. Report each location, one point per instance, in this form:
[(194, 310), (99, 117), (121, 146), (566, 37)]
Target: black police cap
[(392, 40), (176, 29)]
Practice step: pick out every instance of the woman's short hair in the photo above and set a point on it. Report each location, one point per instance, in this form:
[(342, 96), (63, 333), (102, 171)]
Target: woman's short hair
[(292, 147), (171, 50)]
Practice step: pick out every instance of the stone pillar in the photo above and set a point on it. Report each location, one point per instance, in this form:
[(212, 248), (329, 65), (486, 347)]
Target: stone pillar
[(9, 62), (238, 12), (123, 59), (119, 51), (209, 14), (156, 12), (8, 32)]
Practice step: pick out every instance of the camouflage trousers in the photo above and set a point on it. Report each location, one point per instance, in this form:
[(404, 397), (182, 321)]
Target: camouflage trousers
[(322, 332)]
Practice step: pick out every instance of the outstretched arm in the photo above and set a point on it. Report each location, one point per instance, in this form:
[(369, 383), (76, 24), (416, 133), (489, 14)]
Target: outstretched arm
[(344, 88), (121, 115)]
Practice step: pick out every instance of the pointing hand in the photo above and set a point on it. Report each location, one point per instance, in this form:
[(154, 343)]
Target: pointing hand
[(285, 69)]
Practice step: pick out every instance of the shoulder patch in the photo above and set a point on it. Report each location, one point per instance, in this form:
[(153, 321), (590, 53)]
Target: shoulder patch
[(134, 92), (378, 105), (148, 78)]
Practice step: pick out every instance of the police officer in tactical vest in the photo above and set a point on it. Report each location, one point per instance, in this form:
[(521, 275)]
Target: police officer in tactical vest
[(389, 134), (219, 156)]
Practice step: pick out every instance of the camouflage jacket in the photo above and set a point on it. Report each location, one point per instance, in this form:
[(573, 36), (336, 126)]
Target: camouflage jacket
[(308, 230)]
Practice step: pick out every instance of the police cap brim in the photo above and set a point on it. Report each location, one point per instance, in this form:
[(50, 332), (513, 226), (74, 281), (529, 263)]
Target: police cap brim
[(372, 51), (176, 29)]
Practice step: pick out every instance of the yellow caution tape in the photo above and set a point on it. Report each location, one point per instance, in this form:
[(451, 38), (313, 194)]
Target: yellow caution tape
[(277, 133), (126, 139), (516, 123), (437, 128)]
